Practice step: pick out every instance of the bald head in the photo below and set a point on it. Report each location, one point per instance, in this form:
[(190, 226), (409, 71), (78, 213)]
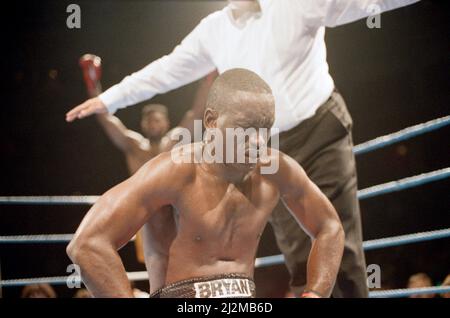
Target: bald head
[(420, 280), (245, 96)]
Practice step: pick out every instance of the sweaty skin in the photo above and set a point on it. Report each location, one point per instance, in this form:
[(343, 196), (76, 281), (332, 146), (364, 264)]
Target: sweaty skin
[(153, 242), (223, 207), (220, 222)]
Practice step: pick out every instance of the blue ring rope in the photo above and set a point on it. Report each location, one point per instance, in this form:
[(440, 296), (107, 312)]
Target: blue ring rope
[(369, 192), (404, 184), (401, 135), (370, 245), (368, 146), (397, 293)]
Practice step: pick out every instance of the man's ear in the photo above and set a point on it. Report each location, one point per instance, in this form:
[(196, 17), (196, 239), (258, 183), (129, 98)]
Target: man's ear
[(210, 118)]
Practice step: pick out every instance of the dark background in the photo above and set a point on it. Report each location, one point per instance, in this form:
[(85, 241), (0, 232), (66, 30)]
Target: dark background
[(391, 78)]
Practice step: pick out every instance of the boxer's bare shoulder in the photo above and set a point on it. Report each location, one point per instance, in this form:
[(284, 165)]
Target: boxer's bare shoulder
[(164, 174), (173, 169), (186, 154), (287, 169)]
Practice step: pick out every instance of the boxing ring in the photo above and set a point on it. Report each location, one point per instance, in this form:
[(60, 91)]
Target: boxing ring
[(377, 190)]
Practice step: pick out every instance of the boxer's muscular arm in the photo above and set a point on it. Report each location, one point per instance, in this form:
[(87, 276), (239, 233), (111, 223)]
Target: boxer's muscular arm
[(318, 218), (123, 138), (113, 221)]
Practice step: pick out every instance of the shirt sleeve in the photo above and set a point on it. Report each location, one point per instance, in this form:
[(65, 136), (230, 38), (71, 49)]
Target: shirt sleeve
[(188, 62), (332, 13)]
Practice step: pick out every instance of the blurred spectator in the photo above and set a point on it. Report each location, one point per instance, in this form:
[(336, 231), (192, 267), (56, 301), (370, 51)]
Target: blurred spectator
[(420, 280), (446, 283), (82, 293), (38, 291)]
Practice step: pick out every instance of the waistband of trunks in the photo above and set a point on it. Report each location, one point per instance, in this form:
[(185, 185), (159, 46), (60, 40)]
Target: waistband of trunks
[(215, 286)]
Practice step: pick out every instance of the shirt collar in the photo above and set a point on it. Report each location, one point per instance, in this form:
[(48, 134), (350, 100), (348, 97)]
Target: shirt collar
[(264, 4), (242, 21)]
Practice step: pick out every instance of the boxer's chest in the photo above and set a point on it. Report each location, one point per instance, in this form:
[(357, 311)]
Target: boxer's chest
[(221, 202)]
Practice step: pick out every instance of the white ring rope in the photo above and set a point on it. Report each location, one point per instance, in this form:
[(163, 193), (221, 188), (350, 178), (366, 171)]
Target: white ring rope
[(143, 275), (369, 192), (274, 259), (358, 149), (405, 292), (401, 135)]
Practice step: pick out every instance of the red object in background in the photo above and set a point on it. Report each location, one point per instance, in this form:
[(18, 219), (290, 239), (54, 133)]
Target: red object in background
[(92, 73)]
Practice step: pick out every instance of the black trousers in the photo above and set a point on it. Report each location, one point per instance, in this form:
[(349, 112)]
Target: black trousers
[(322, 145)]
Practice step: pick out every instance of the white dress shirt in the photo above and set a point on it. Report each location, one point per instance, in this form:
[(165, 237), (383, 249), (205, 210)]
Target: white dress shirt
[(284, 44)]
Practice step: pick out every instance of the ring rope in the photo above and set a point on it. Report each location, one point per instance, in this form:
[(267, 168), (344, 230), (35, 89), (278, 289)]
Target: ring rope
[(274, 259), (404, 184), (57, 280), (370, 245), (62, 280), (261, 261), (405, 292), (39, 239), (406, 239), (50, 200), (143, 275), (365, 147), (369, 192), (358, 149), (401, 135)]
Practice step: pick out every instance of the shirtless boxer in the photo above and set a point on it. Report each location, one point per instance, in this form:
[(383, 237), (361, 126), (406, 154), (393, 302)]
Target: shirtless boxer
[(153, 241), (138, 149), (223, 209)]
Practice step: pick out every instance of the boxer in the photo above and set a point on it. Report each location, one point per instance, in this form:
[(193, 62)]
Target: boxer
[(223, 208)]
